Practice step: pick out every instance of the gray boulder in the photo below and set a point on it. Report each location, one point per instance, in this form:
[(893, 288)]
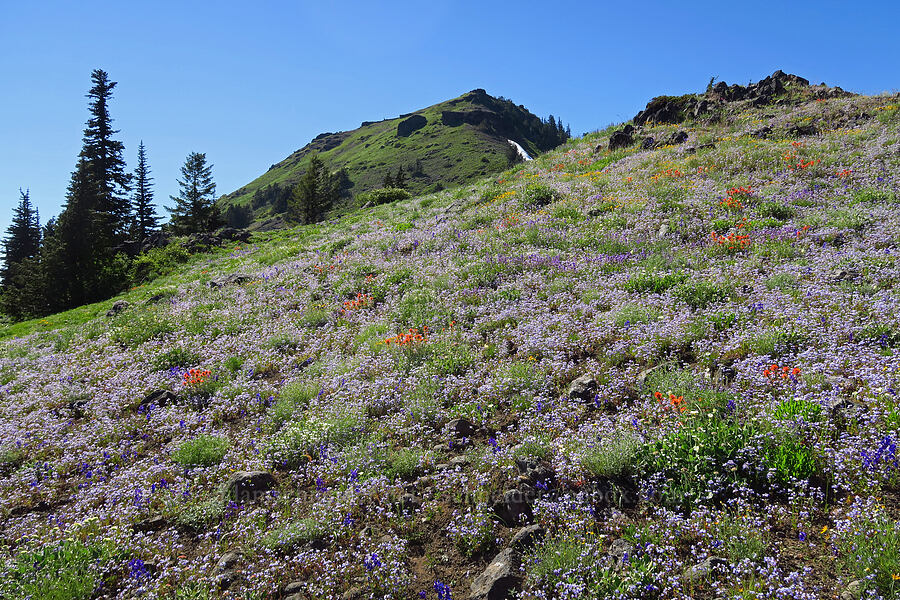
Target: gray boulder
[(498, 580), (247, 486)]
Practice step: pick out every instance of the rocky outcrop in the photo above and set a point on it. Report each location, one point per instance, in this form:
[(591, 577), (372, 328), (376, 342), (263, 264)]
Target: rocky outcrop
[(247, 486), (408, 126), (498, 580)]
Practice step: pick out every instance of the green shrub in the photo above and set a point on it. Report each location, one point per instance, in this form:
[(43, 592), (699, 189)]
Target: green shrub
[(448, 357), (791, 458), (296, 534), (176, 358), (202, 451), (134, 328), (157, 262), (701, 294), (382, 196), (293, 398), (615, 456), (781, 281), (283, 343), (791, 409), (233, 364), (697, 462), (314, 317), (298, 441), (69, 570), (870, 550), (539, 194), (199, 515), (652, 282), (404, 463), (629, 314), (776, 210)]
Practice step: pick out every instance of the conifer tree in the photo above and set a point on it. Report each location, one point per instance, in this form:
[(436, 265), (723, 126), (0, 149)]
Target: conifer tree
[(388, 181), (315, 193), (103, 157), (23, 236), (145, 219), (195, 207), (400, 178)]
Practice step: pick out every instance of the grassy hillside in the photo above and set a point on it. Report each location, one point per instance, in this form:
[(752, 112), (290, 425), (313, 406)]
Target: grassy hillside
[(680, 364), (449, 154)]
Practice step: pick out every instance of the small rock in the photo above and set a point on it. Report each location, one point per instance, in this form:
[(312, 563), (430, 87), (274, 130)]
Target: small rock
[(410, 502), (513, 508), (663, 230), (248, 485), (648, 143), (226, 580), (233, 279), (154, 523), (294, 587), (583, 389), (527, 537), (441, 467), (353, 593), (159, 398), (459, 461), (117, 307), (679, 137), (707, 568), (461, 428), (620, 139), (619, 552), (228, 562), (854, 590), (497, 580)]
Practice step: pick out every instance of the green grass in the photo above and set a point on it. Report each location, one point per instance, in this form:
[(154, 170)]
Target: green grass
[(615, 456), (69, 570), (202, 451)]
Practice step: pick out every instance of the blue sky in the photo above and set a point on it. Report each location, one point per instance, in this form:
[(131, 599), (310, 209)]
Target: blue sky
[(249, 83)]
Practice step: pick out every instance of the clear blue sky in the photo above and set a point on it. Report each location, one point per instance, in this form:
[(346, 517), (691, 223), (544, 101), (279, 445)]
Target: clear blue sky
[(248, 83)]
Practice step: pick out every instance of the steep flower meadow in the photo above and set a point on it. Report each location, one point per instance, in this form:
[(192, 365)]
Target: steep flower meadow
[(669, 372)]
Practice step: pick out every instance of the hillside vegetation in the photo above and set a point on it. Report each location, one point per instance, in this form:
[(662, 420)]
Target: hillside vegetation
[(442, 146), (667, 370)]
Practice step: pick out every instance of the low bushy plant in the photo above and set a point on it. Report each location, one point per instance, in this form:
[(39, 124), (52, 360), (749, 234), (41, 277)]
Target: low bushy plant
[(615, 456), (202, 451), (382, 196)]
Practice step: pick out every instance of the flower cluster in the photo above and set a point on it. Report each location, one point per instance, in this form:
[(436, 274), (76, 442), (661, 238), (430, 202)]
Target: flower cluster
[(411, 337), (774, 372), (196, 377), (361, 301), (673, 402), (732, 241)]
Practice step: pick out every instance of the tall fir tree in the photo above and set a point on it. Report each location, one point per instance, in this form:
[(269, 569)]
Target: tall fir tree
[(195, 207), (71, 258), (23, 236), (106, 165), (315, 193), (20, 287), (400, 178), (145, 219)]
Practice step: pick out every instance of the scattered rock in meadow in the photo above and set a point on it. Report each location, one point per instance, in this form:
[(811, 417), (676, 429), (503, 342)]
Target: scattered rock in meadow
[(619, 552), (621, 138), (648, 143), (118, 307), (498, 579), (154, 523), (407, 126), (711, 566), (583, 389), (527, 537), (228, 562), (159, 398), (854, 590), (513, 508), (232, 279), (244, 486), (410, 502), (461, 429), (679, 137)]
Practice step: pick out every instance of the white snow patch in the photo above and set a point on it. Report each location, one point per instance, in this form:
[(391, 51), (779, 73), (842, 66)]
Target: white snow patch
[(520, 150)]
